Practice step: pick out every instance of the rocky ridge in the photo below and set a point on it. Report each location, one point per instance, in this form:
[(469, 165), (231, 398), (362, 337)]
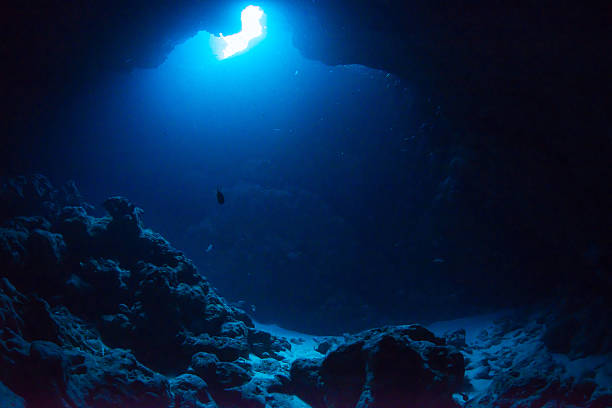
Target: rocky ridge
[(102, 312)]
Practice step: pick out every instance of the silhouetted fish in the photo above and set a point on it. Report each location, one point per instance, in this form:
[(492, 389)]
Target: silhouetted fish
[(220, 198)]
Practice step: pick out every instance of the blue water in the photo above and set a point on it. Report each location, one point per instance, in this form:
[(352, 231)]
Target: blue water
[(317, 164)]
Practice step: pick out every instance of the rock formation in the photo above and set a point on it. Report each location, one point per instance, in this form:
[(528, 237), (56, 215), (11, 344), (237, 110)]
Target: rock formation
[(102, 312)]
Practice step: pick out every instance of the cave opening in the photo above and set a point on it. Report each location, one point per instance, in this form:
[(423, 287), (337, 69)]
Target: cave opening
[(253, 28)]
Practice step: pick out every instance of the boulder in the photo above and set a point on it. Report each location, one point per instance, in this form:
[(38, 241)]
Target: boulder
[(382, 367), (190, 391)]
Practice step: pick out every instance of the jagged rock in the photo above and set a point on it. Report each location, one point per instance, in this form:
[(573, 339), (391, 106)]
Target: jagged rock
[(34, 195), (38, 319), (12, 249), (225, 380), (456, 339), (263, 344), (47, 366), (324, 346), (13, 361), (229, 375), (381, 368), (343, 374), (28, 317), (234, 329), (118, 379), (31, 254), (267, 366), (117, 329), (51, 360), (225, 348), (513, 356), (190, 391), (305, 381), (114, 261), (26, 195), (82, 233), (128, 283), (204, 364), (97, 287), (124, 213), (46, 247)]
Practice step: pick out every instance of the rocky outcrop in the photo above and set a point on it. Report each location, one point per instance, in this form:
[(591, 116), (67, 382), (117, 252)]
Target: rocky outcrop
[(382, 367), (99, 310), (102, 312), (510, 364), (51, 358), (579, 328)]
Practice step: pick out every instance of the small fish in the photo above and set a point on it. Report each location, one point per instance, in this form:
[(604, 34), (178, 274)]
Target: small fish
[(210, 247), (438, 260), (220, 197)]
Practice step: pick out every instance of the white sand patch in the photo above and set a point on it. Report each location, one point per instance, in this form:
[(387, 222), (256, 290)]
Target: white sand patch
[(302, 345)]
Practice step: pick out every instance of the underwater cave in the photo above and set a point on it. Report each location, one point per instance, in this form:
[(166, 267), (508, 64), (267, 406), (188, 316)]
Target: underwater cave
[(305, 204)]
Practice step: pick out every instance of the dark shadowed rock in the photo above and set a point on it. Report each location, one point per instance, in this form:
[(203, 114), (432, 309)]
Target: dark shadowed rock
[(130, 286), (190, 391), (31, 254), (234, 329), (343, 374), (456, 338), (580, 328), (26, 196), (305, 381), (225, 348), (118, 379), (263, 342), (35, 195), (387, 367), (229, 375), (323, 346), (12, 249), (82, 233), (39, 321), (46, 247), (47, 365), (126, 217), (513, 356), (225, 380), (29, 317), (96, 287), (204, 364)]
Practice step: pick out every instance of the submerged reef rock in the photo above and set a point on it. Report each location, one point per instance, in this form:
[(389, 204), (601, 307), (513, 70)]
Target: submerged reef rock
[(382, 367), (100, 312), (509, 365)]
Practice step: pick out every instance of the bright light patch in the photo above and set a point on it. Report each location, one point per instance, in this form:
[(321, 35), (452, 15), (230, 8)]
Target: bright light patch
[(252, 28)]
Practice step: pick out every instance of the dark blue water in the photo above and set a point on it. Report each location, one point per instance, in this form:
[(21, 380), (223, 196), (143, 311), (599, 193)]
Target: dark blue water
[(321, 168)]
